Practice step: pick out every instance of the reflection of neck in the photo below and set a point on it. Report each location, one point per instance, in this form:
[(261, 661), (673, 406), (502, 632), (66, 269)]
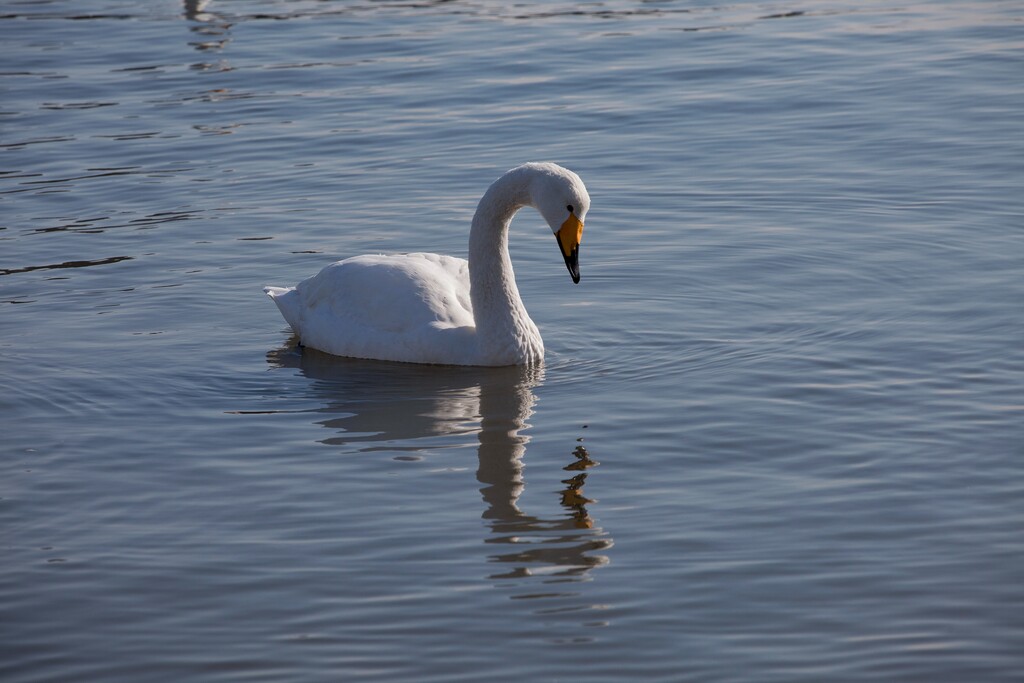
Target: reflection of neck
[(502, 324), (504, 409), (569, 543)]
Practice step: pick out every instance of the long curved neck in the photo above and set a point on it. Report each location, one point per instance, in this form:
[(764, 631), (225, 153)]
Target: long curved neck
[(502, 323)]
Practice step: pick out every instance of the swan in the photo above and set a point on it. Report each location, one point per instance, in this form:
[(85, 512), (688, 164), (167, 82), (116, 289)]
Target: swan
[(429, 308)]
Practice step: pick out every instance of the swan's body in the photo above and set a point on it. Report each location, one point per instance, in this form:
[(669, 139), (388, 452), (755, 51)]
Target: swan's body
[(428, 308)]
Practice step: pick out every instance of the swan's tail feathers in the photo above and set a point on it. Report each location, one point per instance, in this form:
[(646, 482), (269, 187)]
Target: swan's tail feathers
[(287, 300)]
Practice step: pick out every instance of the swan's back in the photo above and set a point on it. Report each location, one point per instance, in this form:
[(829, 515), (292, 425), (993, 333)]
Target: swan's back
[(408, 307)]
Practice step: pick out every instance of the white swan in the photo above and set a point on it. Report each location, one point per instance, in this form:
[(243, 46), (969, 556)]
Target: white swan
[(428, 308)]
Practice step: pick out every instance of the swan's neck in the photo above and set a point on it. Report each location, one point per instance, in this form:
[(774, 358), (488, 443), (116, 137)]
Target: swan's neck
[(504, 329)]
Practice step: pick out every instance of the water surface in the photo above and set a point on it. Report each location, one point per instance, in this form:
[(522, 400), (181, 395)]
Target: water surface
[(777, 436)]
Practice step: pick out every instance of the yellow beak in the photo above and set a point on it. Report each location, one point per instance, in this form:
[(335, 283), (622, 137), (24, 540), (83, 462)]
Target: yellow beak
[(569, 237)]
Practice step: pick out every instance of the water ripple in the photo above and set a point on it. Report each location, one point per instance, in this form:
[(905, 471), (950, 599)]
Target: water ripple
[(67, 264), (795, 353)]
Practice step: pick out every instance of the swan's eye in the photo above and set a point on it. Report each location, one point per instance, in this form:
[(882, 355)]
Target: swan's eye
[(569, 207)]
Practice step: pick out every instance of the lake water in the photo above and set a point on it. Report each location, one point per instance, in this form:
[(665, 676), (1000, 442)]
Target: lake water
[(778, 434)]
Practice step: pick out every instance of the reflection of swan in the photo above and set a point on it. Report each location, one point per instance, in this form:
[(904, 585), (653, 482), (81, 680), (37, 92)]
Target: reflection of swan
[(213, 30), (400, 407), (563, 545), (426, 308), (370, 402), (195, 10)]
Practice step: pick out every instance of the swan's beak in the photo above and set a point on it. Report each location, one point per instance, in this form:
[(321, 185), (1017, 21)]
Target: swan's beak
[(569, 236)]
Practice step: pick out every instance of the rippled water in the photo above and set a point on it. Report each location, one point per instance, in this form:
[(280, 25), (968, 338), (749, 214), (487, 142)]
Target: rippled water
[(778, 433)]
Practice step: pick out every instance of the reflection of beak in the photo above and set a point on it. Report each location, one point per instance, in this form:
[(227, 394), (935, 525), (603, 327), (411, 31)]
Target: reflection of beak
[(569, 236)]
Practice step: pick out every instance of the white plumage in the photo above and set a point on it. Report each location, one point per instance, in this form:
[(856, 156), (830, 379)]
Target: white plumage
[(429, 308)]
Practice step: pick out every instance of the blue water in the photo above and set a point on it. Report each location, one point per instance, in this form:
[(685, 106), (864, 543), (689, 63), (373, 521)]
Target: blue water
[(778, 433)]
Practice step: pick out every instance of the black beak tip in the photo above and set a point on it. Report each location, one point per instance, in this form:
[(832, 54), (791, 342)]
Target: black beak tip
[(573, 264)]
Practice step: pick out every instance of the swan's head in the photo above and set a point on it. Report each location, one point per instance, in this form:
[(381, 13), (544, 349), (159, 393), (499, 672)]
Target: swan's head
[(561, 198)]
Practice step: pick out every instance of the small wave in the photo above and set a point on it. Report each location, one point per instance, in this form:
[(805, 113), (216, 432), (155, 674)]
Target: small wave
[(67, 264)]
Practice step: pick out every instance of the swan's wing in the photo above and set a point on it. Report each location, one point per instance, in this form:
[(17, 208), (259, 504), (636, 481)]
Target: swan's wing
[(393, 293), (363, 305)]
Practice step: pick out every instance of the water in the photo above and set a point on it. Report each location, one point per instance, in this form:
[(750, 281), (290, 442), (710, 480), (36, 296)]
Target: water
[(778, 433)]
